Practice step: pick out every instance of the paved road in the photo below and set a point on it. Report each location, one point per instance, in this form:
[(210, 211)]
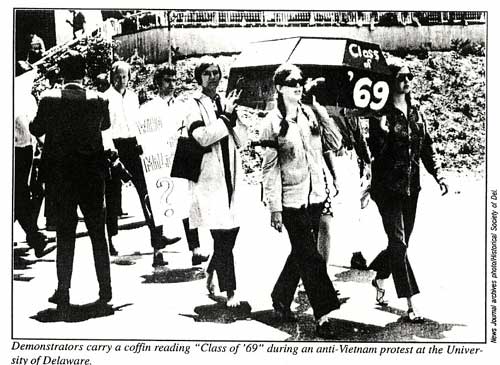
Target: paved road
[(447, 253)]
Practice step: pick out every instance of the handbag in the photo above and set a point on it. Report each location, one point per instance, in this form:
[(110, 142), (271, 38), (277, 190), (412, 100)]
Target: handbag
[(188, 157)]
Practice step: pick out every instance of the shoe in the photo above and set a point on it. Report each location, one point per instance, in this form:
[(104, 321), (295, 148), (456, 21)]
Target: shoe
[(105, 295), (199, 259), (61, 298), (326, 330), (42, 251), (283, 314), (38, 241), (413, 318), (112, 250), (380, 294), (164, 242), (158, 260), (358, 262)]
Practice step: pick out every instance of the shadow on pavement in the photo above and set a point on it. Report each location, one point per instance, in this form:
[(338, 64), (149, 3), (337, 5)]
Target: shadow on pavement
[(77, 313), (305, 328), (220, 313), (21, 277), (22, 263), (124, 260), (354, 275), (164, 275), (404, 330)]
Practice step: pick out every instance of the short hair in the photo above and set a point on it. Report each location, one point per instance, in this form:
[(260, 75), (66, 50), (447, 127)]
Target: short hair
[(205, 62), (72, 67), (102, 82), (161, 72), (120, 65), (285, 70)]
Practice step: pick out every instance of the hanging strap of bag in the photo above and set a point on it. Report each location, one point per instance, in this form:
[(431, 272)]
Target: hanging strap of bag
[(197, 124), (194, 125)]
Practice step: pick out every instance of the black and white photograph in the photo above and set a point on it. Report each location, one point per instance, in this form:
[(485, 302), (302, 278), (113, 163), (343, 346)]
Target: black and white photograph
[(281, 184)]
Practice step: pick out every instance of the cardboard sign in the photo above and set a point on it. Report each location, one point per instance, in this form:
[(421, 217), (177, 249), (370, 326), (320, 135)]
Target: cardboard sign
[(364, 55), (158, 133)]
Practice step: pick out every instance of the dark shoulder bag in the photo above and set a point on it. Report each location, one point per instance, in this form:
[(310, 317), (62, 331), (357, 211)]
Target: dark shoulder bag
[(188, 155)]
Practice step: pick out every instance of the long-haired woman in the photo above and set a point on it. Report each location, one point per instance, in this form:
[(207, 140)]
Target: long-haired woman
[(295, 192), (398, 141)]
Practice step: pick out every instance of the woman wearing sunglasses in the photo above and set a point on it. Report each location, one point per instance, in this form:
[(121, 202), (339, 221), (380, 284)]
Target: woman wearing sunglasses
[(295, 191), (398, 141)]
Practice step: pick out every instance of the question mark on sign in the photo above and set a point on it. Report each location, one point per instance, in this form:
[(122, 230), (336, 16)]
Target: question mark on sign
[(351, 75), (169, 186)]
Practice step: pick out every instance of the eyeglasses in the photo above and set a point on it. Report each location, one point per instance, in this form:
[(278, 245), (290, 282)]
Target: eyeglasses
[(210, 73), (402, 77), (169, 80), (293, 82)]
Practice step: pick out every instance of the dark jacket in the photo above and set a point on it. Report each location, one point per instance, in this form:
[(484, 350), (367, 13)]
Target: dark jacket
[(71, 119), (352, 136), (397, 153)]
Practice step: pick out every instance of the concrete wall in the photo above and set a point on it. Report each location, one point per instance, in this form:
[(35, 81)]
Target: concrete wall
[(153, 43)]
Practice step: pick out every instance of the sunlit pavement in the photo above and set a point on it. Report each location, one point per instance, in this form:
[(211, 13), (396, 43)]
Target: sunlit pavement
[(447, 252)]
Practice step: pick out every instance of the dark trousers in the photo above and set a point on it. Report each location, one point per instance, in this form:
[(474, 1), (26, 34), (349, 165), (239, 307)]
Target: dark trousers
[(398, 217), (50, 196), (129, 156), (80, 182), (23, 208), (222, 259), (192, 237), (113, 194), (50, 190), (304, 262)]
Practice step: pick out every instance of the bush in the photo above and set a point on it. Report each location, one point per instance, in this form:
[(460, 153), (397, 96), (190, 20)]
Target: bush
[(99, 57), (467, 47), (421, 53), (388, 20)]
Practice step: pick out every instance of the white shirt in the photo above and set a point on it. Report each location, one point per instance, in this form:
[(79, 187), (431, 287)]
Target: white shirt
[(25, 108), (123, 113), (171, 110)]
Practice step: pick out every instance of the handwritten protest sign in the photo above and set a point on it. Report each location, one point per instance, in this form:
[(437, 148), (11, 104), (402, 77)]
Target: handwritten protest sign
[(158, 133)]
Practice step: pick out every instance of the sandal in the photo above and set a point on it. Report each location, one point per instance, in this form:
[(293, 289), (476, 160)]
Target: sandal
[(380, 294), (413, 318)]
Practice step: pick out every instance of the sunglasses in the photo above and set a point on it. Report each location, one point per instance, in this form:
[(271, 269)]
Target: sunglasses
[(293, 82), (402, 77)]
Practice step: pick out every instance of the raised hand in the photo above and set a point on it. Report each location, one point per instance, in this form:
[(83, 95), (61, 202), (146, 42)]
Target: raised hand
[(319, 109), (231, 101)]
